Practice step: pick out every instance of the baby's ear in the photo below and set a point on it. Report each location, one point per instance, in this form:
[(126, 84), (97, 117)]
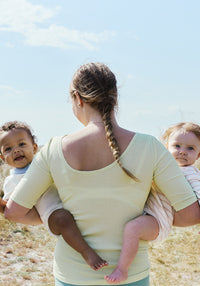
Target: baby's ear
[(35, 148)]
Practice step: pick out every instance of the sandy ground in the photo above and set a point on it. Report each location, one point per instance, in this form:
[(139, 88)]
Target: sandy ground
[(26, 255)]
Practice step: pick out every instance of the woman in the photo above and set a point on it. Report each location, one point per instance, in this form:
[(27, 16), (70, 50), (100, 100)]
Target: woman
[(103, 174)]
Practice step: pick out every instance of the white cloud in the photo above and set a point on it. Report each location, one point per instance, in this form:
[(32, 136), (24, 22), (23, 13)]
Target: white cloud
[(133, 36), (32, 21), (61, 37), (21, 15), (8, 91), (9, 45)]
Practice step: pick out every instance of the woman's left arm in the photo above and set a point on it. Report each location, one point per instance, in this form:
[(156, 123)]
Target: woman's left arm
[(18, 213), (187, 216)]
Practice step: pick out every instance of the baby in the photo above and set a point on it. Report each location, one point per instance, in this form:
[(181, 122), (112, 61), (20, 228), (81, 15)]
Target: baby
[(17, 149), (183, 142)]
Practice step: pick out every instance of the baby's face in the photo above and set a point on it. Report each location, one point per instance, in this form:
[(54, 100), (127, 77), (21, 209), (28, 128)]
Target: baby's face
[(17, 148), (185, 147)]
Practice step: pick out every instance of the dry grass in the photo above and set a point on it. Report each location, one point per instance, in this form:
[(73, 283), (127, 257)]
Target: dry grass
[(26, 255), (176, 261), (26, 252)]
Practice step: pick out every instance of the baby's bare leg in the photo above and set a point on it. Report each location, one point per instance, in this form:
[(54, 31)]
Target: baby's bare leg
[(62, 222), (144, 227)]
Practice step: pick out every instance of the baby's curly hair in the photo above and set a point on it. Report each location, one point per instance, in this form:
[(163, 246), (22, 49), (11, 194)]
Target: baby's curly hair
[(11, 125)]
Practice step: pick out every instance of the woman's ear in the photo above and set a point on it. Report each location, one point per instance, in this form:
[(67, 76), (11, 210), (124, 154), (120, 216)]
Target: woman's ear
[(79, 100)]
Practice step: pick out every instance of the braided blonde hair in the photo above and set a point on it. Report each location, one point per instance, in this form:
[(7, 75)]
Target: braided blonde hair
[(97, 86)]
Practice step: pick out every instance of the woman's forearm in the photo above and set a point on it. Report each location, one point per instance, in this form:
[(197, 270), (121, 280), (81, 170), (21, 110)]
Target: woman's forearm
[(31, 218), (187, 216), (18, 213)]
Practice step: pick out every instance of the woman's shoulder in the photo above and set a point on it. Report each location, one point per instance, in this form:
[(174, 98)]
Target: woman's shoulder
[(129, 135), (146, 138), (53, 141), (73, 141), (147, 142), (50, 147)]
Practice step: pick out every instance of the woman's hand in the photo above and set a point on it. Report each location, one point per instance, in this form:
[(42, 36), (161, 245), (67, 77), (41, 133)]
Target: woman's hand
[(18, 213)]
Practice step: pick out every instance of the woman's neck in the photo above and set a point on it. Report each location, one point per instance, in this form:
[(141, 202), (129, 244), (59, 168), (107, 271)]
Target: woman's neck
[(96, 119)]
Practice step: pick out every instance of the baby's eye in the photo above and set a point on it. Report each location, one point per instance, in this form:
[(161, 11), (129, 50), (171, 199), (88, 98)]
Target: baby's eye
[(190, 148), (177, 146), (7, 149), (22, 144)]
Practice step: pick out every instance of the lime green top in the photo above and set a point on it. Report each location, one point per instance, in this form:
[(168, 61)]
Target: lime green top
[(102, 201)]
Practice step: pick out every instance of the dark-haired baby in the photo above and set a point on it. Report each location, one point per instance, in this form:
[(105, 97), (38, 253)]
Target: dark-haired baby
[(17, 149)]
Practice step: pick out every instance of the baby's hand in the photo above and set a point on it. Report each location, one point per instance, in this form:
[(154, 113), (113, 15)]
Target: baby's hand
[(2, 205)]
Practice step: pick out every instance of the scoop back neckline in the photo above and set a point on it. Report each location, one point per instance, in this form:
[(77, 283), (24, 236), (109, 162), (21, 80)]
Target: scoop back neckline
[(114, 163)]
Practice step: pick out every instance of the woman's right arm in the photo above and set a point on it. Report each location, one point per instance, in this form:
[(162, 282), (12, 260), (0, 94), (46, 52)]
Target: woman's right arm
[(18, 213)]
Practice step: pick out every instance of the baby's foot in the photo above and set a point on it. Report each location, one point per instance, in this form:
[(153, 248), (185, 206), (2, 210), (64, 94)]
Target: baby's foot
[(94, 260), (116, 276)]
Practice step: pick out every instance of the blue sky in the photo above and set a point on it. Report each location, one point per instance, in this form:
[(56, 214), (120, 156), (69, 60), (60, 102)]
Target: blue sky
[(153, 47)]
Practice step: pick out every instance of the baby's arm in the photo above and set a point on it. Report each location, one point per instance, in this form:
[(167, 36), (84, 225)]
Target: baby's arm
[(2, 205)]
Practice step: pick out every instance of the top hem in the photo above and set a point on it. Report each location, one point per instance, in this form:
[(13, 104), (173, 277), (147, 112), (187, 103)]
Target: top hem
[(130, 280)]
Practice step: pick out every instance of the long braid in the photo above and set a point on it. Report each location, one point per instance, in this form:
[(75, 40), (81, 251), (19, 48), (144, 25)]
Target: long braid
[(112, 139), (97, 86)]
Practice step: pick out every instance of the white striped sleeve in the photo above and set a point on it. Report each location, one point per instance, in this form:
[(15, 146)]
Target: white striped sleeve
[(192, 174)]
